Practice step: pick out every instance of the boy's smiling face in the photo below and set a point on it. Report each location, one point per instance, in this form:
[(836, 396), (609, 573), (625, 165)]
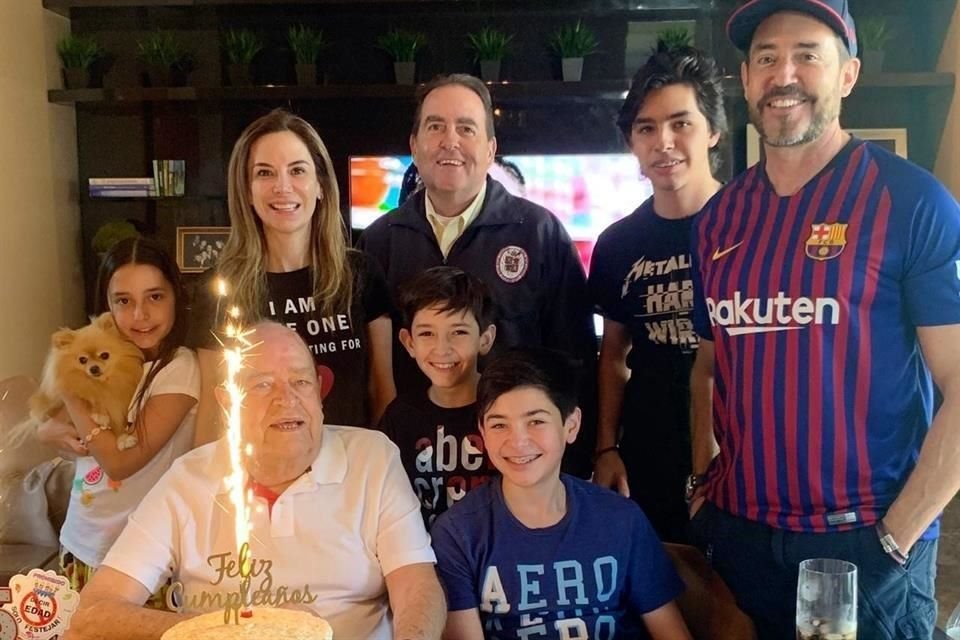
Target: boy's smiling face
[(446, 345), (525, 436)]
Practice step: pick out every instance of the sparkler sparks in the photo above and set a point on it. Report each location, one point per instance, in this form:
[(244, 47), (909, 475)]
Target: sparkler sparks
[(235, 348)]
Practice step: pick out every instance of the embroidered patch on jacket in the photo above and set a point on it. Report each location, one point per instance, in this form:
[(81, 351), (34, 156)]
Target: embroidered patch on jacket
[(826, 241), (512, 263)]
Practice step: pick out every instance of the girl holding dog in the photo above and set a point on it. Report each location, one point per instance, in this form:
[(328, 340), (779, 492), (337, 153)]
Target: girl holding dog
[(287, 260), (139, 285)]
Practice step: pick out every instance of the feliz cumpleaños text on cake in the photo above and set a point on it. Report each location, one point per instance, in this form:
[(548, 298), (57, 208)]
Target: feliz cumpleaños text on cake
[(232, 602)]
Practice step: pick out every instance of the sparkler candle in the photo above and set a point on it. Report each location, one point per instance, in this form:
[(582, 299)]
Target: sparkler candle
[(233, 354), (221, 295)]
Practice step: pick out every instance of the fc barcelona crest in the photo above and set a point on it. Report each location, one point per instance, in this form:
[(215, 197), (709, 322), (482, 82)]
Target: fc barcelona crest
[(826, 241)]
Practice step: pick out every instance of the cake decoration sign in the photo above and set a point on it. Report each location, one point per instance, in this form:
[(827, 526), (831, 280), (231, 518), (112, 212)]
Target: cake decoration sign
[(40, 604)]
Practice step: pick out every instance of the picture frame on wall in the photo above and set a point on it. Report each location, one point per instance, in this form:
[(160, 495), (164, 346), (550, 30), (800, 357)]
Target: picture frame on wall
[(894, 140), (198, 248)]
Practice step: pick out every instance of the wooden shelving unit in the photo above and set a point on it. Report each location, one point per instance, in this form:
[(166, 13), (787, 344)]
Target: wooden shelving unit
[(512, 91)]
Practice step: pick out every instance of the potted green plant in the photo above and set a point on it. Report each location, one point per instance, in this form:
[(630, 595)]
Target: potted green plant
[(109, 234), (675, 38), (572, 43), (241, 47), (874, 36), (77, 53), (165, 57), (402, 46), (307, 44), (489, 47)]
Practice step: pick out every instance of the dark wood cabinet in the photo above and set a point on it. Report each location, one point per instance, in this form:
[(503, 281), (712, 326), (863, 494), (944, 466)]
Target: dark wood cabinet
[(123, 125)]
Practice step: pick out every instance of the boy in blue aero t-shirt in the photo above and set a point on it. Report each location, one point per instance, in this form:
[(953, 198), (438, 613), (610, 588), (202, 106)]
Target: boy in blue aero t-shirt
[(537, 554)]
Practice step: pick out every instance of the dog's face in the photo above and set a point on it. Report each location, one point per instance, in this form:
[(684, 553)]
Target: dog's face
[(94, 351)]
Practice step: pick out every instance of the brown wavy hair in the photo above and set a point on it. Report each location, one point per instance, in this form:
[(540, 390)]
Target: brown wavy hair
[(243, 261)]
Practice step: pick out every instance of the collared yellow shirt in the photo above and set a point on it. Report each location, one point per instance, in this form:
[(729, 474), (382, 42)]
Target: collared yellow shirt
[(448, 229)]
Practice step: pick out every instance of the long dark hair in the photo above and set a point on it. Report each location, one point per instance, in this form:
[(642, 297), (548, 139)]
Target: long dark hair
[(148, 252)]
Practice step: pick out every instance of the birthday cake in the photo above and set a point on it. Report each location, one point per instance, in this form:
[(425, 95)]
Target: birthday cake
[(264, 624)]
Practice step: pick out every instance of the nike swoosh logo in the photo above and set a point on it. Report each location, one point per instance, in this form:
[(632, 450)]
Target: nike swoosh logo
[(717, 253)]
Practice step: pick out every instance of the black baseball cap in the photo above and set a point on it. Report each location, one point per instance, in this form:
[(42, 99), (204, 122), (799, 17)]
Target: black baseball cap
[(834, 13)]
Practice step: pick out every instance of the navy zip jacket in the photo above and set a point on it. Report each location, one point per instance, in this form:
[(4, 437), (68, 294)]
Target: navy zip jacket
[(527, 260)]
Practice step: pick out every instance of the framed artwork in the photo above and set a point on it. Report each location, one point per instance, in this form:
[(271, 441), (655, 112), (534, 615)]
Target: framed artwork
[(894, 140), (198, 248)]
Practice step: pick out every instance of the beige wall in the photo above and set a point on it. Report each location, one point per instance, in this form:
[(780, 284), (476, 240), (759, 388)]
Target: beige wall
[(948, 160), (41, 286)]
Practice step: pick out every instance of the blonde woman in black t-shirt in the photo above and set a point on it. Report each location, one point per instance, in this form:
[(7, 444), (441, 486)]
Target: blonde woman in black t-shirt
[(287, 260)]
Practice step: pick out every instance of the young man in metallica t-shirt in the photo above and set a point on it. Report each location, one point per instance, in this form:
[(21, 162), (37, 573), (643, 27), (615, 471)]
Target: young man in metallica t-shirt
[(640, 279)]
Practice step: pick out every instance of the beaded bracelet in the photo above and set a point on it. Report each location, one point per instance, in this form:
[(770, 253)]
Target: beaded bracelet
[(93, 434)]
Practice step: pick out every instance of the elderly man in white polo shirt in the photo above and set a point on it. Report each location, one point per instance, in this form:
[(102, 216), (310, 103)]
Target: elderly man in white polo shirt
[(334, 518)]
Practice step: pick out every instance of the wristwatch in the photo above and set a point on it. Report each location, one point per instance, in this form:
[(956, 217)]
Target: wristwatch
[(694, 481)]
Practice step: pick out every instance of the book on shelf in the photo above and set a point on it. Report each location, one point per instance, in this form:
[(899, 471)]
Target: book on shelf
[(131, 192), (169, 176), (122, 187), (120, 182)]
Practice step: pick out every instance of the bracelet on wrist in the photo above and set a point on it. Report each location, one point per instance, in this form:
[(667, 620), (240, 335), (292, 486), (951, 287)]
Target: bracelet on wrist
[(601, 452), (889, 544), (87, 439)]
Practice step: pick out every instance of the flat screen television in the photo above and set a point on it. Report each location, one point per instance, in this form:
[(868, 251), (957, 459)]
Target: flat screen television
[(586, 192)]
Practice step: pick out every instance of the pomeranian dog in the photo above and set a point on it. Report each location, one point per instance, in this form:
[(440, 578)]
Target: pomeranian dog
[(97, 365)]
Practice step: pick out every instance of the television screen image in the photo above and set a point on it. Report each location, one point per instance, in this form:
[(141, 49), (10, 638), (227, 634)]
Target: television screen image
[(586, 192)]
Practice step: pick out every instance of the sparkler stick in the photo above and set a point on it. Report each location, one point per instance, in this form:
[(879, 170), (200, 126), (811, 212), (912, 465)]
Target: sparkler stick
[(233, 354)]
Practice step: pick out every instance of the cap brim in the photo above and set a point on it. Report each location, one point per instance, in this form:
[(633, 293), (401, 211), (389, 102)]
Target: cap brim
[(745, 20)]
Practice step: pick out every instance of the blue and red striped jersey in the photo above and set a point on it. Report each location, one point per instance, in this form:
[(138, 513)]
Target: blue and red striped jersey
[(821, 395)]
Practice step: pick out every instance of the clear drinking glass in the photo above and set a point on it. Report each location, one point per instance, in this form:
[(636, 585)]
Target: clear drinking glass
[(953, 624), (827, 600)]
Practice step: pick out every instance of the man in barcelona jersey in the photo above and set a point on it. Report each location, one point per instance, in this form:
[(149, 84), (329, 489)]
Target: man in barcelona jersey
[(827, 299)]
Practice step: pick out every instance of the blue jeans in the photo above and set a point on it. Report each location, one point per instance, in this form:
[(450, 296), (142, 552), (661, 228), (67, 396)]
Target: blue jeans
[(760, 564)]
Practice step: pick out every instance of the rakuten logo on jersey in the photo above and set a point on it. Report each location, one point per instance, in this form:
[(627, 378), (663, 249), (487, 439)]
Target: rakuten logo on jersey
[(742, 316)]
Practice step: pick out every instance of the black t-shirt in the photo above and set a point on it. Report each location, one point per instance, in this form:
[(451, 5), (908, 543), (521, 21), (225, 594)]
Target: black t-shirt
[(337, 341), (441, 450), (640, 277)]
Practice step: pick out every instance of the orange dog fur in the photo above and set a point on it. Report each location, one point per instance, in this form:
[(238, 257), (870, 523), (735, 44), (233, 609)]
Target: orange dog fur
[(97, 365)]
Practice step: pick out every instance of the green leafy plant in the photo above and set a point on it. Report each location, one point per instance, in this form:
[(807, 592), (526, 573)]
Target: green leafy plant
[(573, 41), (307, 44), (78, 51), (241, 45), (874, 34), (401, 45), (110, 233), (163, 49), (489, 44), (675, 38)]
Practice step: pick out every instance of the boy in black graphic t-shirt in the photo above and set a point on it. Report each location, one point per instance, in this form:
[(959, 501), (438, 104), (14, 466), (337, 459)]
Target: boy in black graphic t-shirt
[(447, 325)]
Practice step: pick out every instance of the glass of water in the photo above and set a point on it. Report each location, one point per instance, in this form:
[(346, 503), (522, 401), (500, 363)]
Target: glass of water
[(827, 600), (953, 625)]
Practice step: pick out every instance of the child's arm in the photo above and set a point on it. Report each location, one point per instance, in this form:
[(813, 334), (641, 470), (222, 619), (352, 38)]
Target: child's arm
[(463, 625), (161, 416), (380, 386), (666, 623)]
